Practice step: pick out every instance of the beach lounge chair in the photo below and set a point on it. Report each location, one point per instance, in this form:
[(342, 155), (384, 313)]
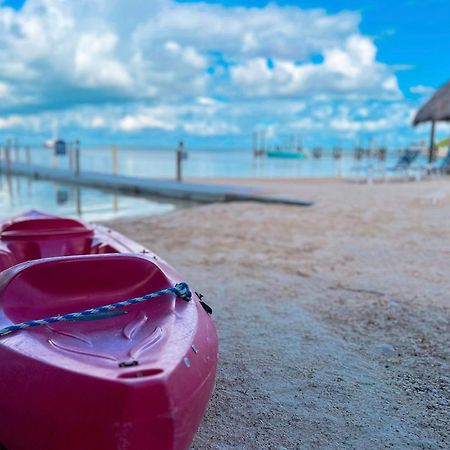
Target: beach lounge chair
[(443, 165), (439, 166), (405, 160)]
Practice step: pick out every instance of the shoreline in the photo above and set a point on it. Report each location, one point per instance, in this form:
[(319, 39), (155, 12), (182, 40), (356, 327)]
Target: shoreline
[(333, 320)]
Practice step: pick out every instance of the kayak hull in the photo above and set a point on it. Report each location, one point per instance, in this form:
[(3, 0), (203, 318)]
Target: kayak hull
[(140, 379), (70, 411)]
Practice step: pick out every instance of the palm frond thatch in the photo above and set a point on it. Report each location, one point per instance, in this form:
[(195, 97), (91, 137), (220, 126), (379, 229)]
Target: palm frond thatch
[(437, 108)]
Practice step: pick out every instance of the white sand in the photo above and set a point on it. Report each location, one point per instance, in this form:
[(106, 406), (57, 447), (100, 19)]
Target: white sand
[(334, 320)]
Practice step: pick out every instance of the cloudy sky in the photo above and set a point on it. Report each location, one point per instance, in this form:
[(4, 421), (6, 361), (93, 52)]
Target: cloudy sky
[(211, 72)]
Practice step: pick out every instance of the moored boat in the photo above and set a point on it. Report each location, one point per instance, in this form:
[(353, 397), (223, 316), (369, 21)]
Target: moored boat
[(136, 376), (285, 154)]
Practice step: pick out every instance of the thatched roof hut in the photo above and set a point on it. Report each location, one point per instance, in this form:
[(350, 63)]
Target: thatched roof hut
[(437, 108), (434, 110)]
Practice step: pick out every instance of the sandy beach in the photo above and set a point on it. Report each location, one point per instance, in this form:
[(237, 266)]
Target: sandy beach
[(333, 320)]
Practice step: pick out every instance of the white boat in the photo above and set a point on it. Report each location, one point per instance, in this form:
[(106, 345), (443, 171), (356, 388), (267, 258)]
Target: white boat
[(50, 143)]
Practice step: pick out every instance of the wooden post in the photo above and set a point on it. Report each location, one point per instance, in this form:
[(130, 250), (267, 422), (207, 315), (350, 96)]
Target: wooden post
[(431, 148), (114, 159), (78, 198), (337, 153), (262, 141), (70, 155), (7, 156), (16, 149), (180, 157), (77, 158), (10, 187), (298, 143)]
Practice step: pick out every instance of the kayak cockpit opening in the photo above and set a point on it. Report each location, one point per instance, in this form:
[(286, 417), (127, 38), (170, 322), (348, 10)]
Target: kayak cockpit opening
[(57, 286), (44, 237)]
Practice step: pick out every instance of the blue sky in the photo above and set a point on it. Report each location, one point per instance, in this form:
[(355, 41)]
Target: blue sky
[(334, 72)]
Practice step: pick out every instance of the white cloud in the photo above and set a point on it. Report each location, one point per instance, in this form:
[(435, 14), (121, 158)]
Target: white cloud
[(4, 90), (422, 90), (210, 128), (200, 119), (11, 121), (164, 50), (98, 122), (95, 65), (195, 68), (206, 101), (185, 55), (350, 69), (144, 120), (345, 124)]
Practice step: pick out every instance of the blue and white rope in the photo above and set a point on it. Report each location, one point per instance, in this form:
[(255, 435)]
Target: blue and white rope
[(181, 290)]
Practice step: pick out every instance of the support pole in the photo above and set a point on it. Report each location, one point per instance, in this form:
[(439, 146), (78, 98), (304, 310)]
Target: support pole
[(16, 149), (262, 140), (7, 155), (27, 154), (431, 148), (114, 159), (78, 200), (180, 157), (77, 158), (71, 155)]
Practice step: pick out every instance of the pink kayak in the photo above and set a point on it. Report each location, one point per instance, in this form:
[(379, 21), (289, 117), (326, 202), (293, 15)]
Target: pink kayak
[(134, 376)]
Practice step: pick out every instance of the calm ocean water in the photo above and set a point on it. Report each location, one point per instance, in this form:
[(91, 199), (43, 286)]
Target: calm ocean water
[(151, 163), (18, 194)]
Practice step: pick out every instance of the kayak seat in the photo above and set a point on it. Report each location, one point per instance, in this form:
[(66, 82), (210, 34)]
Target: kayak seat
[(55, 286), (46, 237), (42, 225)]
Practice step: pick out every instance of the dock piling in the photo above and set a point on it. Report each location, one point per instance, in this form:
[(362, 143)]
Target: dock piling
[(70, 155), (263, 141), (77, 157), (16, 150), (181, 154), (7, 155), (114, 158), (317, 152)]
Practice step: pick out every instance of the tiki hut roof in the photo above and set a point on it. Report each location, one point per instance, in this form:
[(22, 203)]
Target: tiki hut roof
[(437, 108)]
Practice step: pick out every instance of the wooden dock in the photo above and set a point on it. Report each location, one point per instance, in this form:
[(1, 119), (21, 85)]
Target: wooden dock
[(144, 186)]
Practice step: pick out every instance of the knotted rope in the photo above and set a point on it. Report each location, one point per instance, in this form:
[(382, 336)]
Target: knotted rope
[(181, 290)]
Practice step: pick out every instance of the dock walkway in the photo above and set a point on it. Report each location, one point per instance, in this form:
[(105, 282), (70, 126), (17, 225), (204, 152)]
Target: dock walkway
[(145, 186)]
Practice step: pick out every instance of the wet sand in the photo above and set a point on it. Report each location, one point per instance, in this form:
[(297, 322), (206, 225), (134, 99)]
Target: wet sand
[(333, 321)]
